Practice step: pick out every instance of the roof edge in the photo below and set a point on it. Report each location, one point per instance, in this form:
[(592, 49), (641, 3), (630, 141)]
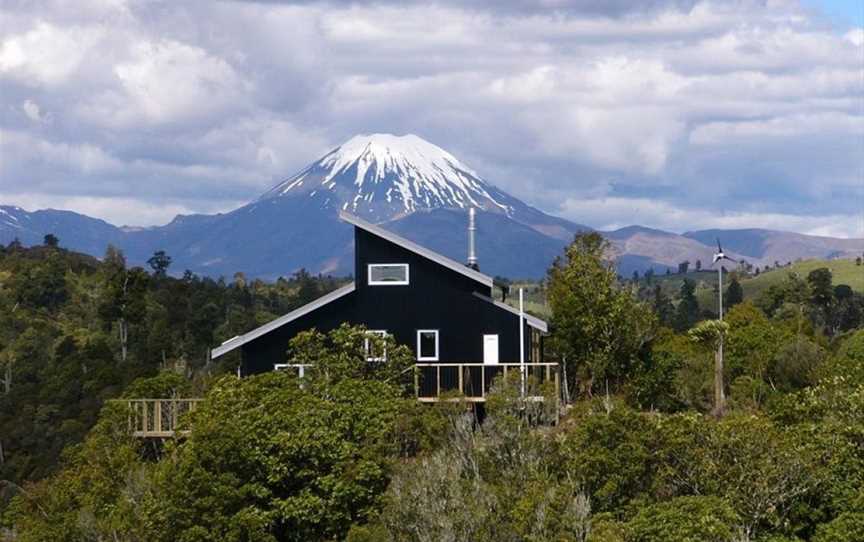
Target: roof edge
[(440, 259), (235, 342), (532, 321)]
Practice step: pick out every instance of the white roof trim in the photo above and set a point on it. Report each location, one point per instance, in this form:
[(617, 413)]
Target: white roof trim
[(486, 280), (532, 321), (233, 343)]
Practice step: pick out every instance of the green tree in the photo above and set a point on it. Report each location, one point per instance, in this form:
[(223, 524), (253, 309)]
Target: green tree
[(685, 519), (712, 334), (343, 354), (796, 364), (600, 329), (649, 275), (752, 343), (663, 307), (792, 290), (609, 453), (488, 482), (847, 526), (97, 495), (687, 311), (114, 258), (124, 301), (672, 377), (270, 460), (51, 240), (765, 472), (842, 292), (42, 284), (734, 293), (307, 288), (159, 262), (821, 289)]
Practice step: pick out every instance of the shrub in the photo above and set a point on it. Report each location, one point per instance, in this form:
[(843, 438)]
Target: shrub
[(684, 519)]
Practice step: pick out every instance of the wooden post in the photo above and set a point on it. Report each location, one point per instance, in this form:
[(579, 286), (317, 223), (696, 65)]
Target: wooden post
[(416, 381), (157, 413), (557, 385), (461, 385), (174, 414), (483, 381)]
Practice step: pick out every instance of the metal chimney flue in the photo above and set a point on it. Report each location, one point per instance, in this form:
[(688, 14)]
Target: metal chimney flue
[(472, 251)]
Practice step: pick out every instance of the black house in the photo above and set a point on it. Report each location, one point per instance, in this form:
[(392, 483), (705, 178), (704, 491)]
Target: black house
[(446, 311)]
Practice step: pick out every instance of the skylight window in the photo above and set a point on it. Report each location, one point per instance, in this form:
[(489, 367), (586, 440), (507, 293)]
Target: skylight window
[(388, 274)]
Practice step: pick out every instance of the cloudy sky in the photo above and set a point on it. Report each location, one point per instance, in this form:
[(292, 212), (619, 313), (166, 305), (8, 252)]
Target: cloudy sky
[(677, 114)]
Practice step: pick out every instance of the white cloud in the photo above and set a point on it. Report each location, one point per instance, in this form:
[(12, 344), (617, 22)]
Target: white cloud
[(611, 213), (855, 36), (47, 54), (77, 158), (33, 111), (118, 210), (678, 102), (721, 133), (166, 81)]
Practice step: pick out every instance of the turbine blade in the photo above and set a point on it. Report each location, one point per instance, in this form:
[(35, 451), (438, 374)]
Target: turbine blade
[(719, 248)]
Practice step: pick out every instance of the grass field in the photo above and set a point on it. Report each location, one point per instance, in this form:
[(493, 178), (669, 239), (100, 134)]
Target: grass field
[(843, 271)]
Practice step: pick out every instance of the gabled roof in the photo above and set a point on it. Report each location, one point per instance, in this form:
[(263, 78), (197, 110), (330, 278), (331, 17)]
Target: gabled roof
[(234, 342), (532, 321), (485, 280)]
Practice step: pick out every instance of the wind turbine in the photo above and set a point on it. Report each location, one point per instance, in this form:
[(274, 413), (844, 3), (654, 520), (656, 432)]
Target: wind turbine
[(719, 393), (719, 256)]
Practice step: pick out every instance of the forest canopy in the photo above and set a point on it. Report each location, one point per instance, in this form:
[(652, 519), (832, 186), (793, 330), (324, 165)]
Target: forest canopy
[(635, 453)]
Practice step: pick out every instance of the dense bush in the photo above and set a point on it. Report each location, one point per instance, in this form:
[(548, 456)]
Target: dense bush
[(347, 453), (684, 519)]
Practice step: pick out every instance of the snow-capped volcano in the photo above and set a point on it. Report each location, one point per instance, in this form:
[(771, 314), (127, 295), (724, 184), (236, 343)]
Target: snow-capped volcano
[(384, 176)]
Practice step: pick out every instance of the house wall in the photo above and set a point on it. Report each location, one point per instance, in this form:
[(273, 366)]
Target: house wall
[(435, 298)]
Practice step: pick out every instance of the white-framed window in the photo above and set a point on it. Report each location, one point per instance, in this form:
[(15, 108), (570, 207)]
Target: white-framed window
[(427, 345), (375, 352), (388, 274)]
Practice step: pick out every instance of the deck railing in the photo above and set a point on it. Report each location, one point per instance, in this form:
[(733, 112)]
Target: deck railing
[(298, 368), (433, 382), (159, 418), (472, 381)]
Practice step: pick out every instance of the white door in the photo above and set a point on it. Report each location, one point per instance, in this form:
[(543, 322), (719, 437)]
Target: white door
[(490, 349)]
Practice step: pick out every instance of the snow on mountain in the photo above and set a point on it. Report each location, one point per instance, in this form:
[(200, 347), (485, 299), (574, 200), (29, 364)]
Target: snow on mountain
[(384, 176)]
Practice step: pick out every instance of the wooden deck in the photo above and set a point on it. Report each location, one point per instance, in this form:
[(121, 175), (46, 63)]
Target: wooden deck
[(159, 418), (433, 382), (471, 382)]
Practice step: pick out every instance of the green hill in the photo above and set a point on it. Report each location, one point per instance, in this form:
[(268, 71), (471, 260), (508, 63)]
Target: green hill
[(843, 271)]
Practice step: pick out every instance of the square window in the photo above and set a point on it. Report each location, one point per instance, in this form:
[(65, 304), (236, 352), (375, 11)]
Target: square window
[(375, 352), (388, 274), (427, 345)]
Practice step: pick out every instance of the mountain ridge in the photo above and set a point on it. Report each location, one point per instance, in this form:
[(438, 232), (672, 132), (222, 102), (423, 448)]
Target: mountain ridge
[(410, 186)]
